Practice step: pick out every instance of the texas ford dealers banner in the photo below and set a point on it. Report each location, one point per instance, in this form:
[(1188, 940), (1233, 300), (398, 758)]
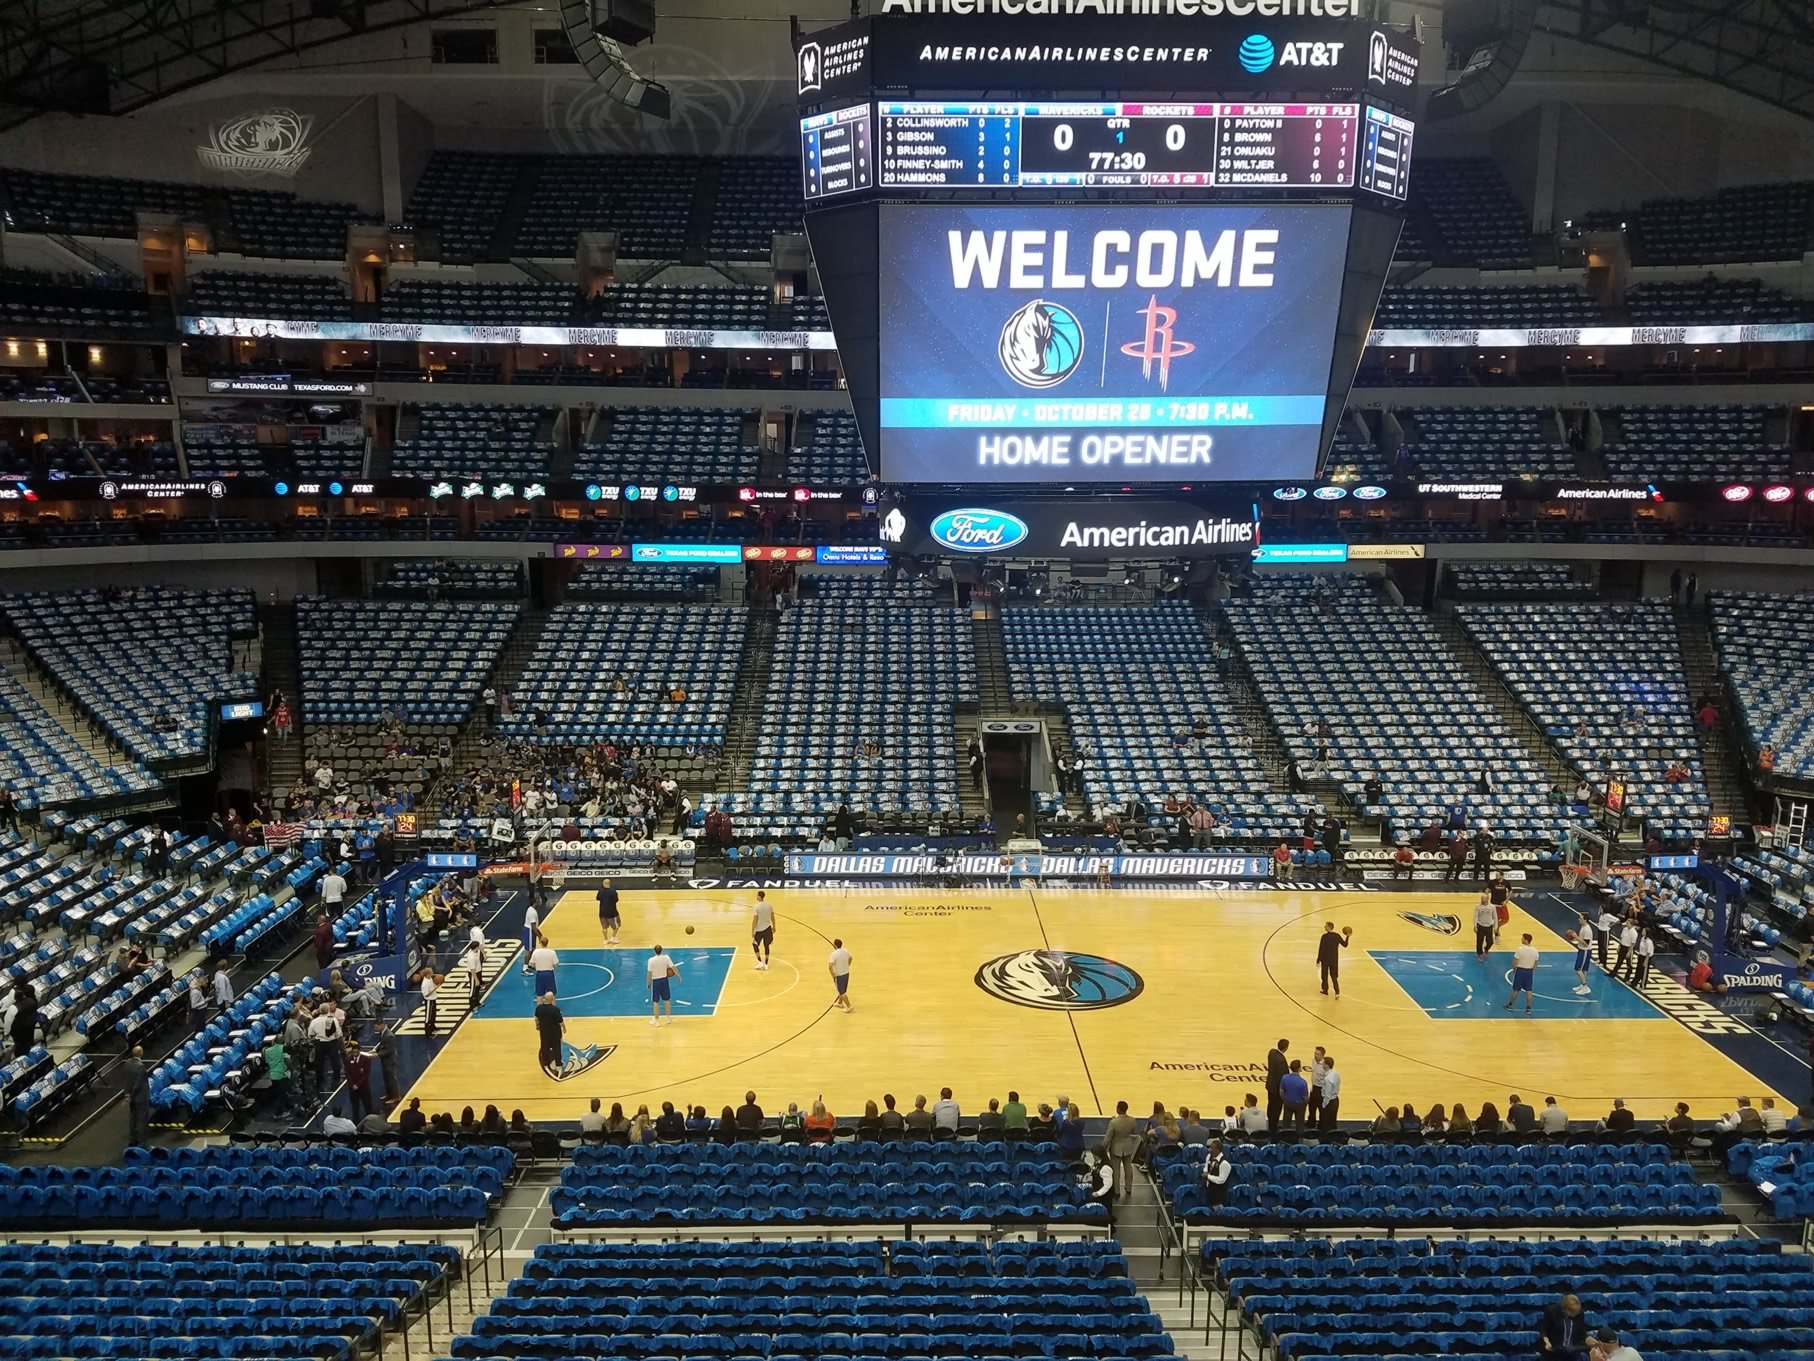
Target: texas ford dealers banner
[(1052, 866)]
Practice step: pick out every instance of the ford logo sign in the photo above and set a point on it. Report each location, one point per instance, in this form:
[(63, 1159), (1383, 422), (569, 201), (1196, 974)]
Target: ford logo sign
[(1288, 493), (1368, 493), (977, 531), (1331, 493)]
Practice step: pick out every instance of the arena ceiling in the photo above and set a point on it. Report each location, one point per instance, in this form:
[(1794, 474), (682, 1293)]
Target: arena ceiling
[(119, 56)]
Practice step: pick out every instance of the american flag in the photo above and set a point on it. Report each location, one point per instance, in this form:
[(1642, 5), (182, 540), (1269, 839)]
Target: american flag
[(281, 835)]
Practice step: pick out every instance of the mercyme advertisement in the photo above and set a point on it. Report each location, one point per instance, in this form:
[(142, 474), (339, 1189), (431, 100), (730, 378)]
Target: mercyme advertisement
[(1108, 343)]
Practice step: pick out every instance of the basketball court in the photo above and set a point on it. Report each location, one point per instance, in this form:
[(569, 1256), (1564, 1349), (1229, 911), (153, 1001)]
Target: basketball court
[(1099, 994)]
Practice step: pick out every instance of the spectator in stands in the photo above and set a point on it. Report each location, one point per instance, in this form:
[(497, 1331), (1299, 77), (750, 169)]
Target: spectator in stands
[(412, 1121), (820, 1123), (359, 1079), (1281, 861), (223, 985), (1459, 1123), (1562, 1334), (1162, 1131), (1618, 1120), (1373, 791), (945, 1112), (1553, 1120), (990, 1121), (890, 1122), (642, 1128), (749, 1114), (1436, 1121), (1387, 1122), (592, 1121), (1689, 587), (1458, 854), (1606, 1345), (697, 1122), (1330, 1104), (1014, 1113), (9, 809), (491, 1124), (325, 1040), (1250, 1119), (1294, 1096), (1409, 1122), (1192, 1132), (1519, 1115), (726, 1130), (1404, 861), (1488, 1121), (670, 1124), (1214, 1175), (1773, 1120), (1067, 1127), (337, 1126), (520, 1126)]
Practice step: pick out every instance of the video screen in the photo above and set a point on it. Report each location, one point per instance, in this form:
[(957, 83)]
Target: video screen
[(1106, 343)]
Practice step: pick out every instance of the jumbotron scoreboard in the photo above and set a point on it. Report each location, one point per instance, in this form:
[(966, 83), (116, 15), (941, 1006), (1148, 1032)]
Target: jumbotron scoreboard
[(1076, 249)]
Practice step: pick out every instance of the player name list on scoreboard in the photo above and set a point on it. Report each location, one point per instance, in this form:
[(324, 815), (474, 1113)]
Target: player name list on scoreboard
[(1044, 145)]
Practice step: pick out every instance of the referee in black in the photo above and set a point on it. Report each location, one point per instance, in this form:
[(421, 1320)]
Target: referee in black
[(1329, 956), (608, 920)]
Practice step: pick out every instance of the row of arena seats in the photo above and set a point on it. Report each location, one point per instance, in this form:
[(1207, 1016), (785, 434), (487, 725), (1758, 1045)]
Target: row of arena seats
[(802, 1301), (149, 666), (904, 660), (643, 581), (1607, 686), (1091, 661), (262, 1189), (466, 439), (1316, 1187), (1469, 1299), (1766, 653), (1780, 1171), (1481, 579), (44, 765), (836, 1184), (569, 691), (701, 445), (156, 1302), (1397, 704), (361, 661), (826, 450), (452, 579)]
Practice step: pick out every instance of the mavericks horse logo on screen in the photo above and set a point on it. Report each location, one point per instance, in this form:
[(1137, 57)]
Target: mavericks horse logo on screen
[(1041, 344), (1059, 980)]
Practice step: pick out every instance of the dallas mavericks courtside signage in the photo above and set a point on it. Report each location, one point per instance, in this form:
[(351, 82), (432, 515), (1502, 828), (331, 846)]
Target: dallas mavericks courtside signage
[(1085, 528), (1188, 865), (652, 337), (1463, 337), (1030, 344)]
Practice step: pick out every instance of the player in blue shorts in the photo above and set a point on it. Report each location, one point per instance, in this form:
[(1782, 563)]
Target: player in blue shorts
[(1583, 961), (661, 970), (1524, 974)]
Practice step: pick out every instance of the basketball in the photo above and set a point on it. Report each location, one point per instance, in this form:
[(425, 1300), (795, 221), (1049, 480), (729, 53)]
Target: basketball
[(689, 930)]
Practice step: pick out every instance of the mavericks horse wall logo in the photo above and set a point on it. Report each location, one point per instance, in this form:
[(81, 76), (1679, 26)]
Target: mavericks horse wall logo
[(275, 142)]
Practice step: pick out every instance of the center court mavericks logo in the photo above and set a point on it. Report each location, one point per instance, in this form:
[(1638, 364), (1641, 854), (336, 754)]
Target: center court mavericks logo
[(1059, 980), (274, 142), (1041, 344), (1443, 923), (576, 1060)]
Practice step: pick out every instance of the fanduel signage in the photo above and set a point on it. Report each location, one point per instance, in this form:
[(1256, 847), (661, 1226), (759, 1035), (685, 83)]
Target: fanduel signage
[(1185, 9)]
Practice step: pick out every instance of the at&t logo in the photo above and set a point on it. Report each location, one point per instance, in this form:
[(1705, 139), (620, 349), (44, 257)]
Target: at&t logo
[(1041, 344), (978, 531), (1256, 53)]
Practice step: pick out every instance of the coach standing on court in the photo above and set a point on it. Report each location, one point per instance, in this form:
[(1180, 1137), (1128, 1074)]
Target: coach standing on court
[(1329, 955), (609, 922), (550, 1029)]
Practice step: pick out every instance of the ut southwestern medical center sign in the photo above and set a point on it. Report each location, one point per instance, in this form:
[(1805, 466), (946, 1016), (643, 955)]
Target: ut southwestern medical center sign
[(1084, 529)]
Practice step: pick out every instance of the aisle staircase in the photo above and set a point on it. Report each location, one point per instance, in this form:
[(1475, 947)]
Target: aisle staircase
[(469, 746), (752, 700), (1492, 687), (994, 691), (282, 671), (1721, 751)]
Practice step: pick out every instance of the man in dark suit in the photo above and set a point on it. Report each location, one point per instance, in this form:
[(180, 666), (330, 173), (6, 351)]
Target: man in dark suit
[(1276, 1067), (1563, 1334)]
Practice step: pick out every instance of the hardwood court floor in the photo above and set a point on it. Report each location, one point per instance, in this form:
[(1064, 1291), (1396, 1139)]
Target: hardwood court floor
[(1172, 995)]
